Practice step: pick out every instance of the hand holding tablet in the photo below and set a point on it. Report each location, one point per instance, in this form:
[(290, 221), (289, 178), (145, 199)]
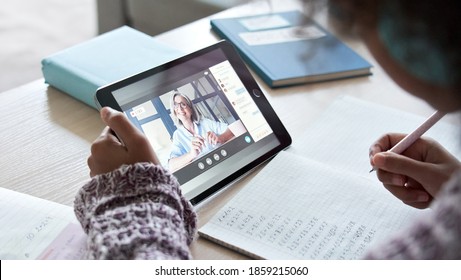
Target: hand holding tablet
[(119, 143)]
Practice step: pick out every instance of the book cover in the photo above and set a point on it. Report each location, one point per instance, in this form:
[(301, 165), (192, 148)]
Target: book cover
[(287, 49), (81, 69)]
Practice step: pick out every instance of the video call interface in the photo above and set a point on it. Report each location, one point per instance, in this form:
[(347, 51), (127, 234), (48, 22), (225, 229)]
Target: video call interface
[(224, 104)]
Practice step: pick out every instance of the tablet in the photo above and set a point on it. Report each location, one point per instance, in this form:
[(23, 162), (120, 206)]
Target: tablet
[(205, 116)]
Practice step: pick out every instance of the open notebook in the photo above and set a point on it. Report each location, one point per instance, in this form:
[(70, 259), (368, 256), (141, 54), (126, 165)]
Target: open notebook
[(38, 229), (317, 200)]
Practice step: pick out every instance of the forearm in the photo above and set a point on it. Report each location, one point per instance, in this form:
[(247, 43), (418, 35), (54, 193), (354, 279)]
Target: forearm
[(136, 212), (225, 136)]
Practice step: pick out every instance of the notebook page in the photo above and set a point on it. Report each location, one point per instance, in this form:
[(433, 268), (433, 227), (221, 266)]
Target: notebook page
[(342, 135), (38, 229), (296, 208)]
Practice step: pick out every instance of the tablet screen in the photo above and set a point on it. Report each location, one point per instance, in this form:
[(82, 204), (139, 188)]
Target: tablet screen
[(204, 115)]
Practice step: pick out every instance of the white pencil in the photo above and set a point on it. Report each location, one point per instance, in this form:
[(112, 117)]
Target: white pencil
[(416, 134)]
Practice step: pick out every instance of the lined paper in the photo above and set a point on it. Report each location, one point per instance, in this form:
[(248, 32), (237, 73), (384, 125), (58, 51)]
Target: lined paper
[(38, 229), (296, 208)]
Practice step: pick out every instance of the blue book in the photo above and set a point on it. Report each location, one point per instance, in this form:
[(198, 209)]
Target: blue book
[(81, 69), (288, 49)]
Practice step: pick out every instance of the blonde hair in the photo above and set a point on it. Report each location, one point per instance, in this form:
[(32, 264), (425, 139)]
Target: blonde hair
[(196, 115)]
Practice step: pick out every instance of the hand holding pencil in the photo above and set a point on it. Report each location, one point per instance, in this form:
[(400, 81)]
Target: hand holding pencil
[(413, 168), (416, 134)]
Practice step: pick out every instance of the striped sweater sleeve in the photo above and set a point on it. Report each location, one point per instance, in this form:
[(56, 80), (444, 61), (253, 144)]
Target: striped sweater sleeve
[(136, 212)]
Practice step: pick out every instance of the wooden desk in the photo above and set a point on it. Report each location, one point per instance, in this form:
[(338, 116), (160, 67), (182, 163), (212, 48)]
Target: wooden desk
[(46, 135)]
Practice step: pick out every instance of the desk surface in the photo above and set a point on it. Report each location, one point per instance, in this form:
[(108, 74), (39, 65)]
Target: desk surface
[(46, 135)]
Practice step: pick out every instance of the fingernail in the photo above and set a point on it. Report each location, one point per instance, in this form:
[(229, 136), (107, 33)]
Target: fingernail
[(399, 181), (105, 113), (422, 197)]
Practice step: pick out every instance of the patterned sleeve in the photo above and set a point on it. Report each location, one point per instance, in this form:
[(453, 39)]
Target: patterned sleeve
[(437, 236), (136, 212)]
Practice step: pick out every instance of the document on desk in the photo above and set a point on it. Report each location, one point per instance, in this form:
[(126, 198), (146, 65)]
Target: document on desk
[(317, 200), (34, 228), (296, 208)]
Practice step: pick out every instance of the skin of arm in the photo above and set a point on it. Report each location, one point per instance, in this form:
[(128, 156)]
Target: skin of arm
[(214, 139)]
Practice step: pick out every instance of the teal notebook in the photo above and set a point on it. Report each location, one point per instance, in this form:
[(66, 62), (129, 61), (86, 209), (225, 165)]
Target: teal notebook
[(285, 49), (81, 69)]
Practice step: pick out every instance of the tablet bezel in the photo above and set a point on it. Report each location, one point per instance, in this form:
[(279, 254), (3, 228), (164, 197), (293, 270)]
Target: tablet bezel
[(104, 97)]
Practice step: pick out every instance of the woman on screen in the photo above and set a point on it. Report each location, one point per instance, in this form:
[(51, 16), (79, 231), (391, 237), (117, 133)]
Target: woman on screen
[(195, 134)]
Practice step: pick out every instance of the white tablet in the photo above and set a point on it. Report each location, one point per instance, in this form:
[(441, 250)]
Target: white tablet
[(205, 116)]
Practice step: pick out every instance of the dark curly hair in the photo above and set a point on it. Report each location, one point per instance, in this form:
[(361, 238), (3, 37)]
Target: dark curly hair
[(423, 35)]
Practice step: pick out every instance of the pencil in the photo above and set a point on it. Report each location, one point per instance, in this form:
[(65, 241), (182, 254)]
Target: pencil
[(408, 140)]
